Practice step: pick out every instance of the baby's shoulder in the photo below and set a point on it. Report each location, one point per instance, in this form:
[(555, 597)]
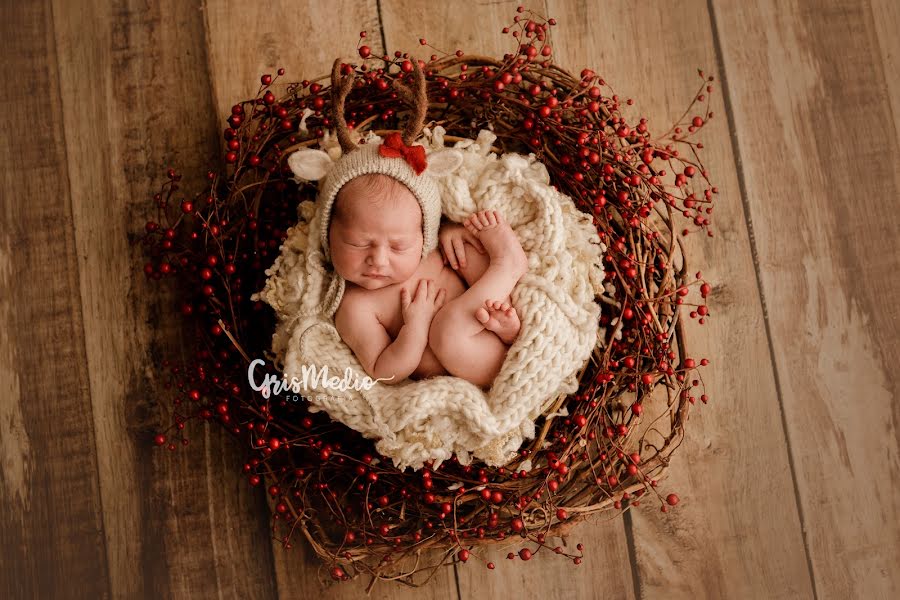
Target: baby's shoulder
[(357, 303), (358, 316)]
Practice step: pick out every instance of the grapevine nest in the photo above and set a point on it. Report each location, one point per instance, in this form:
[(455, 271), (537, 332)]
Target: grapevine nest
[(604, 448)]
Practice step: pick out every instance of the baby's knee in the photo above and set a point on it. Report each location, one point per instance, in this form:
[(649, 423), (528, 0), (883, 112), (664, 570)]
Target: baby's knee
[(440, 332)]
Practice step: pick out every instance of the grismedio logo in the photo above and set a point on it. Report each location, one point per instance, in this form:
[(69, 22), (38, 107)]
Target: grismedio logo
[(272, 384)]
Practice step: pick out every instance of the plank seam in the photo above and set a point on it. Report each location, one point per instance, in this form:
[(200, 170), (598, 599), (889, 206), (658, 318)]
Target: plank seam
[(263, 516), (632, 553), (84, 352), (745, 202), (381, 26)]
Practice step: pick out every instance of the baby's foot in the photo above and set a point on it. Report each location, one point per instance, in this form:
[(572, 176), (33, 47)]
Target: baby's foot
[(501, 318), (498, 239)]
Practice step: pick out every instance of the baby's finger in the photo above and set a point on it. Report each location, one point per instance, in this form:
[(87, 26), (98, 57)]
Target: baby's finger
[(404, 297), (441, 296), (421, 289), (450, 254), (459, 248)]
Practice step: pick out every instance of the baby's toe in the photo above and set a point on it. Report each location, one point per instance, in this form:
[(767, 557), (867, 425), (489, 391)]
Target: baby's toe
[(482, 315)]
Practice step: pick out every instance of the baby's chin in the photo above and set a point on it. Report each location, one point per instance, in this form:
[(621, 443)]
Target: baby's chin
[(370, 283)]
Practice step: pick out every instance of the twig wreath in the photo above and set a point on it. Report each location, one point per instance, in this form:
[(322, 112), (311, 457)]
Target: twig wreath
[(604, 447)]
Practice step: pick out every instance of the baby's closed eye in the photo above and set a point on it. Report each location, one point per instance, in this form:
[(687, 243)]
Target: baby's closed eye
[(394, 247)]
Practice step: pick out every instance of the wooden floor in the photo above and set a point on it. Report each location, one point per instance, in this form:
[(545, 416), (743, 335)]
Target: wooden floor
[(789, 478)]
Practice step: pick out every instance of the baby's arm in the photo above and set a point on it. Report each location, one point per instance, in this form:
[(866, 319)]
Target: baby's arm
[(360, 329)]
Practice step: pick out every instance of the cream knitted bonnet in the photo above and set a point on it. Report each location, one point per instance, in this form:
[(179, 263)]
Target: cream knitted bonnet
[(397, 156)]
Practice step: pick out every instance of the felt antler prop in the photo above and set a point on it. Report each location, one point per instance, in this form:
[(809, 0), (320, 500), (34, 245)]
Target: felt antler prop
[(340, 87), (416, 97)]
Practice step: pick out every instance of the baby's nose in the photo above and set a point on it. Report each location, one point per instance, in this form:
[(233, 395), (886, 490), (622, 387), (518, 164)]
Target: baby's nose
[(378, 256)]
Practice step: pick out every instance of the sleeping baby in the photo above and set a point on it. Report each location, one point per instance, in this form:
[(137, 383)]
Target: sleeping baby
[(411, 311)]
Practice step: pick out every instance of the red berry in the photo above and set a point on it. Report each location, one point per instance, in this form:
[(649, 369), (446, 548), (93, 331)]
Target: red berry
[(525, 554), (561, 514), (672, 499), (365, 51), (463, 555), (265, 80), (517, 524), (159, 440)]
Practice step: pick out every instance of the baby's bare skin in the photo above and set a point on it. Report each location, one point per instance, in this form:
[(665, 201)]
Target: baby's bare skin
[(385, 304), (433, 321)]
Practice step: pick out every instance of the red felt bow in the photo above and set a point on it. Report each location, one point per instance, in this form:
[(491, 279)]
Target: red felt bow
[(393, 147)]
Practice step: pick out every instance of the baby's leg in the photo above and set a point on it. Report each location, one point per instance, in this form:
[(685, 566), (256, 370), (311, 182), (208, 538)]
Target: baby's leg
[(457, 337), (497, 316)]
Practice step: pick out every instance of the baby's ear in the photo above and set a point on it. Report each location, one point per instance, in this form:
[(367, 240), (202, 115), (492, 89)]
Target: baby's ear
[(444, 162), (310, 165)]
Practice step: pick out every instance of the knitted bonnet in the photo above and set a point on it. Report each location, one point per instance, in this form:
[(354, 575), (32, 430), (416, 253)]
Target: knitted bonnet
[(397, 156)]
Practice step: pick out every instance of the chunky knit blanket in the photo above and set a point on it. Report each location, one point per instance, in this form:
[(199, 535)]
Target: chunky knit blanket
[(430, 420)]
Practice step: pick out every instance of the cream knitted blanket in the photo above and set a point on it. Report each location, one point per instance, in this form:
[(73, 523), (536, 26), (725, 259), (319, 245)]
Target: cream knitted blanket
[(418, 421)]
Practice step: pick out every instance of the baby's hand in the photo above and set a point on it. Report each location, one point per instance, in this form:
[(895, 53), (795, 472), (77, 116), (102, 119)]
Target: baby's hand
[(452, 237), (427, 301)]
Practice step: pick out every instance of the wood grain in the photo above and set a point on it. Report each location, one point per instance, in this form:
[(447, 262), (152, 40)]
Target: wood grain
[(51, 529), (734, 461), (174, 522), (813, 121), (246, 40)]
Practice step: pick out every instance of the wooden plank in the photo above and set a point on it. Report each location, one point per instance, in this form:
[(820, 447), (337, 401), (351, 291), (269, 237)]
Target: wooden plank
[(885, 17), (725, 539), (246, 40), (476, 29), (136, 99), (51, 527), (811, 102)]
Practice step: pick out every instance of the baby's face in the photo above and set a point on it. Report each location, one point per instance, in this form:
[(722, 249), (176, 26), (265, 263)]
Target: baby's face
[(375, 237)]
